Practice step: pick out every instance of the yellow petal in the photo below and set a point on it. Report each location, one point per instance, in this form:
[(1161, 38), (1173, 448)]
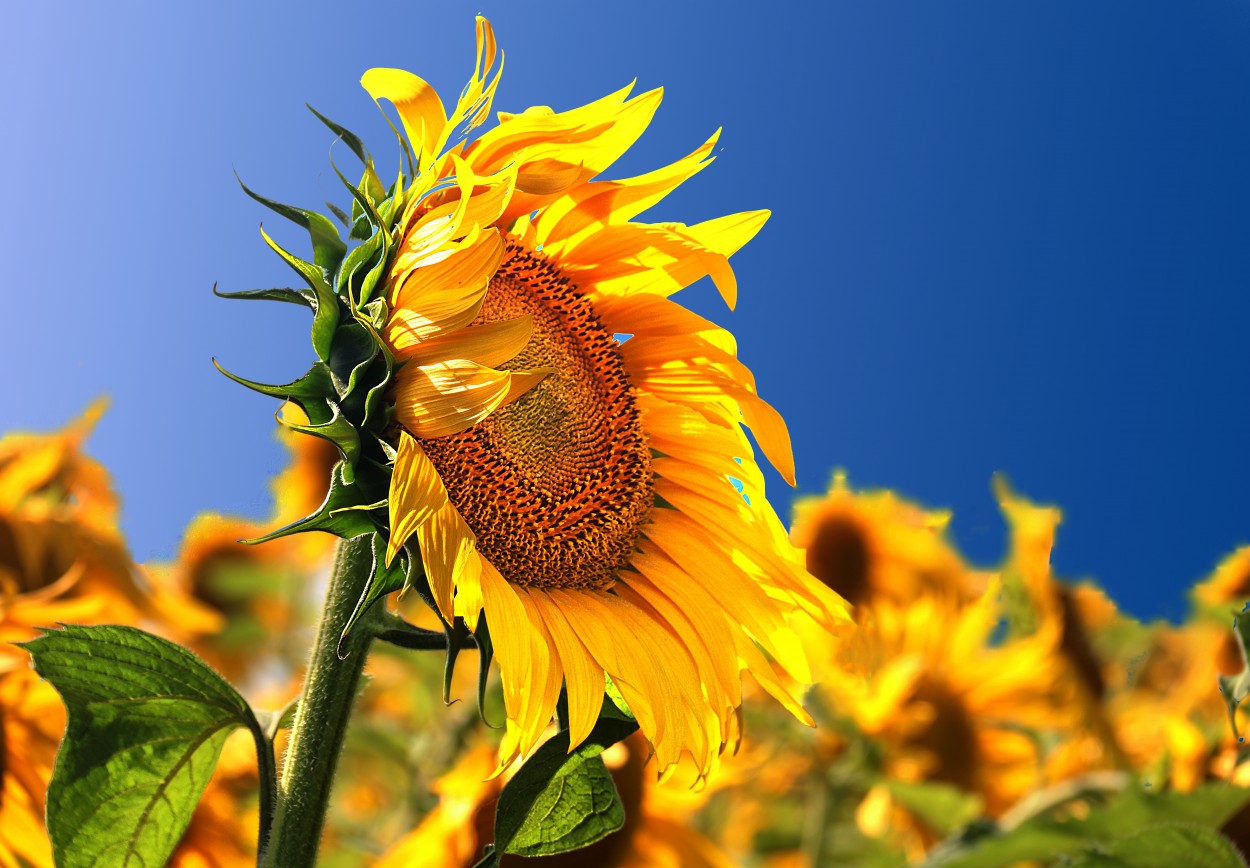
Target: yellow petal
[(420, 109), (591, 206), (468, 602), (648, 315), (489, 344), (449, 397), (634, 258), (417, 493), (529, 670), (447, 548), (582, 675), (444, 296)]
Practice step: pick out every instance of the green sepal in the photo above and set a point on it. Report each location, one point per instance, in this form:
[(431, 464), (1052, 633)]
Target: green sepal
[(378, 411), (385, 580), (560, 800), (485, 654), (316, 383), (328, 247), (456, 632), (147, 721), (305, 297), (339, 431), (326, 313), (349, 138), (364, 209), (356, 260), (1235, 688), (334, 515), (340, 214)]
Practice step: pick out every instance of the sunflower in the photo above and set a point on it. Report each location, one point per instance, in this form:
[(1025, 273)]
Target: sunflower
[(947, 705), (870, 546), (596, 501)]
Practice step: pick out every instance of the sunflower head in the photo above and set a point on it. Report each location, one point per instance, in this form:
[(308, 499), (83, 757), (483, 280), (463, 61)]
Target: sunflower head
[(592, 503)]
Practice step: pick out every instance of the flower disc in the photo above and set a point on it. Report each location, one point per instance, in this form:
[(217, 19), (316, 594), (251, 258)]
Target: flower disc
[(556, 485)]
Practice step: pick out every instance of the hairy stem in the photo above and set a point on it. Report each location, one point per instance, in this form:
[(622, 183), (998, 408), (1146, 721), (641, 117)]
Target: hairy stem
[(325, 706)]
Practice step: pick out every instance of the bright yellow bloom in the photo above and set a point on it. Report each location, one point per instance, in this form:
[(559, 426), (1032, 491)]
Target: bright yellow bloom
[(579, 491)]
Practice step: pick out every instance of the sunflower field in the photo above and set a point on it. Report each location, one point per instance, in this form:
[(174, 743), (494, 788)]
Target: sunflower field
[(521, 597)]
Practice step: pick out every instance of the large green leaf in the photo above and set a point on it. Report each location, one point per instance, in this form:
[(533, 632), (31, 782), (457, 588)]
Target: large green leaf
[(1046, 838), (560, 801), (147, 720), (1167, 846)]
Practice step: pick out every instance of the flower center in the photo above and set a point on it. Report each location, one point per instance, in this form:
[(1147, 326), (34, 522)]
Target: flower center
[(838, 555), (558, 484)]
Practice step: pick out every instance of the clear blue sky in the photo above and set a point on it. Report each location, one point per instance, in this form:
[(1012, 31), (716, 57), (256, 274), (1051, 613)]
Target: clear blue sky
[(1006, 236)]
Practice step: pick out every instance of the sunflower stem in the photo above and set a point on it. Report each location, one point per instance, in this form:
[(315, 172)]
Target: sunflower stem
[(324, 709)]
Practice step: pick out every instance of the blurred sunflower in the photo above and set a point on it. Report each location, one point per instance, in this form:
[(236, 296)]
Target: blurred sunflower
[(1062, 616), (946, 705), (58, 535), (31, 722), (656, 833), (598, 501), (870, 546)]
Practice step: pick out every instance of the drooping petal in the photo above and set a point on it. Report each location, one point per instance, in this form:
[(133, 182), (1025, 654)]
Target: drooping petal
[(417, 493), (449, 397), (447, 550), (420, 109), (445, 296), (582, 675), (529, 667)]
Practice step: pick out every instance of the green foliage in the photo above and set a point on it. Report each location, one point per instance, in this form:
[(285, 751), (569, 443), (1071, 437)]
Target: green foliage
[(1106, 828), (1235, 688), (942, 807), (147, 720), (1164, 847), (560, 800)]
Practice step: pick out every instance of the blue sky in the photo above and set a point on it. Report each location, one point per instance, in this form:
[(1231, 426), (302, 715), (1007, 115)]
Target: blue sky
[(1006, 237)]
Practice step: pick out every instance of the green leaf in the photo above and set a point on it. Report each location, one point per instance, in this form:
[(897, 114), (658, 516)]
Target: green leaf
[(561, 801), (328, 247), (1164, 847), (147, 720), (944, 808), (1045, 838)]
